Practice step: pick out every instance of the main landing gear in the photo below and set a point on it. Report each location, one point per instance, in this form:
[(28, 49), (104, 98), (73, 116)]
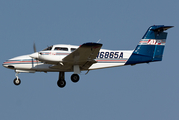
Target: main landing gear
[(75, 78), (61, 81), (17, 81)]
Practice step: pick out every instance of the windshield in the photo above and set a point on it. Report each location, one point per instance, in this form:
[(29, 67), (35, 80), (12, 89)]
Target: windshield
[(48, 48)]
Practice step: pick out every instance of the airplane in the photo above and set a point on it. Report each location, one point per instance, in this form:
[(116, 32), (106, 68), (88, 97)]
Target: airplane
[(89, 56)]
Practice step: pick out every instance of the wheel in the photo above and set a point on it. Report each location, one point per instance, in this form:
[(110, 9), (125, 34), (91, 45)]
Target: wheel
[(61, 83), (75, 78), (17, 81)]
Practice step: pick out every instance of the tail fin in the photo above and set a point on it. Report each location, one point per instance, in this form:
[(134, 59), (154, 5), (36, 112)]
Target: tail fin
[(151, 47)]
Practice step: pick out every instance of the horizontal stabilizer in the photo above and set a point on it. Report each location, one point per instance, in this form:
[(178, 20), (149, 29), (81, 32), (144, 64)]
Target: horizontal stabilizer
[(160, 28)]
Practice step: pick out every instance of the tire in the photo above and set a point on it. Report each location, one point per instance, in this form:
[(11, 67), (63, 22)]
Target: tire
[(61, 83), (17, 81), (75, 78)]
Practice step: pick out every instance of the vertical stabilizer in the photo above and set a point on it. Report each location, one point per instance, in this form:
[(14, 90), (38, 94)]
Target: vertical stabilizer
[(151, 46)]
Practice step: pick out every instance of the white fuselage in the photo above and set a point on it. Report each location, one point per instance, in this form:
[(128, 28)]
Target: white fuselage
[(105, 59)]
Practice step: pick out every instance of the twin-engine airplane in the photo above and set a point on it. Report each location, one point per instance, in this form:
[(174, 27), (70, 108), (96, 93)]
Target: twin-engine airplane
[(89, 56)]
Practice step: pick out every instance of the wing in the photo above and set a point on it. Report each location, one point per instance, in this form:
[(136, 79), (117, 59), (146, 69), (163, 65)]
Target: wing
[(83, 56)]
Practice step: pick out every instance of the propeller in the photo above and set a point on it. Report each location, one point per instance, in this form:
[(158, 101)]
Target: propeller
[(35, 54), (34, 46)]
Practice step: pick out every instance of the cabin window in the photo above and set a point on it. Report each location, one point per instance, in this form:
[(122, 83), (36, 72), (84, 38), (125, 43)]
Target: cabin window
[(49, 48), (61, 48), (73, 49)]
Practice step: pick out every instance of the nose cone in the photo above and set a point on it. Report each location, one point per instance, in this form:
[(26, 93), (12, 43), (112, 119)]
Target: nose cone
[(4, 64), (7, 64), (15, 62)]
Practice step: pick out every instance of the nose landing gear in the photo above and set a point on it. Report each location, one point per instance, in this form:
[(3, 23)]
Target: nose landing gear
[(17, 81)]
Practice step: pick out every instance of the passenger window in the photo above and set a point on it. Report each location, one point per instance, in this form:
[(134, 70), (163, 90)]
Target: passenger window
[(73, 49), (61, 48)]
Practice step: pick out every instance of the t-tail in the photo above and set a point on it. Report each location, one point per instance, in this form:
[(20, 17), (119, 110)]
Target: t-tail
[(151, 47)]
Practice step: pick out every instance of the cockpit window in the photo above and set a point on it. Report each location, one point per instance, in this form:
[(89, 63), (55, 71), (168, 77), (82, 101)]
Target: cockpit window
[(73, 49), (48, 48), (61, 48)]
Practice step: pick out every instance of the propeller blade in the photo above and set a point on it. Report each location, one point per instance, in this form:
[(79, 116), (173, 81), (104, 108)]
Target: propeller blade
[(34, 48)]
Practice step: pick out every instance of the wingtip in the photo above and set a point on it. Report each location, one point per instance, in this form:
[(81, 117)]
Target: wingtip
[(91, 44)]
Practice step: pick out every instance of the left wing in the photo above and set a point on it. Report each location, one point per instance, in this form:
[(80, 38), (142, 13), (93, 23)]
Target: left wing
[(83, 56)]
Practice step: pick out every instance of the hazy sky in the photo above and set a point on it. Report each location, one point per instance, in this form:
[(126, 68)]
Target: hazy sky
[(141, 92)]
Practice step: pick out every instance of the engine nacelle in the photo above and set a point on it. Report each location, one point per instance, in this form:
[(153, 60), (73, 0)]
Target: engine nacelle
[(49, 57)]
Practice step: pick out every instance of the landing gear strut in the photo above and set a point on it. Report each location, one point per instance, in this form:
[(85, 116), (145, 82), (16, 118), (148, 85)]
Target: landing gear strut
[(61, 80), (17, 81)]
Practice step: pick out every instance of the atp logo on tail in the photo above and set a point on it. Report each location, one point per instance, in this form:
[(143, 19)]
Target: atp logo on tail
[(154, 42)]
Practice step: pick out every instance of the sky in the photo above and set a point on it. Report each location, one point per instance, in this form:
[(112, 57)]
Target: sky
[(140, 92)]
